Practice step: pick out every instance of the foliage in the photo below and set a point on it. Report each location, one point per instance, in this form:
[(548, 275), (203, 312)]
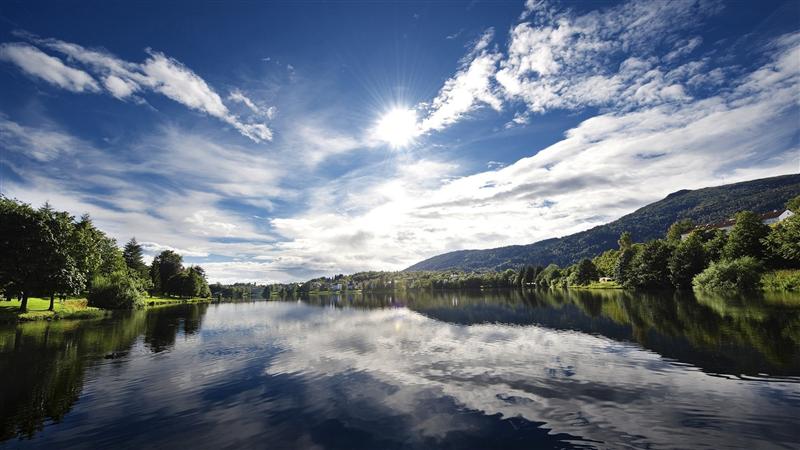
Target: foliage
[(702, 206), (783, 241), (165, 266), (745, 237), (677, 229), (47, 252), (688, 259), (741, 274), (714, 244), (585, 272), (118, 290), (781, 280), (793, 204), (606, 262), (649, 268), (622, 268)]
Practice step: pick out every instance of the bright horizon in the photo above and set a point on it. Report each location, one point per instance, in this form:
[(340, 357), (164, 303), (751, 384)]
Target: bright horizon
[(275, 143)]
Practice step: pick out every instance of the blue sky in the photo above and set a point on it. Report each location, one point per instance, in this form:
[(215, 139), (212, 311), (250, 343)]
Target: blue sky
[(279, 141)]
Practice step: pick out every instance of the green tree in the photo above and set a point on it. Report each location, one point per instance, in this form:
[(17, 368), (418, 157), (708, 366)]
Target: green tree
[(134, 258), (585, 272), (94, 252), (622, 268), (625, 240), (23, 238), (714, 244), (677, 229), (745, 237), (783, 242), (59, 271), (793, 205), (688, 259), (165, 266), (606, 262), (649, 268)]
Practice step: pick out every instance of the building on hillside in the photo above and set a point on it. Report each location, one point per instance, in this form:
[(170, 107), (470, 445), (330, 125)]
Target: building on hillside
[(767, 218)]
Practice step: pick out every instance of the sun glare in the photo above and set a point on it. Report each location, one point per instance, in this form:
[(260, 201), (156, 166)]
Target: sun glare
[(398, 127)]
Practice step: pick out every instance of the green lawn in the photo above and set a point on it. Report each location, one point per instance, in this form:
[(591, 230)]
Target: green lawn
[(37, 310)]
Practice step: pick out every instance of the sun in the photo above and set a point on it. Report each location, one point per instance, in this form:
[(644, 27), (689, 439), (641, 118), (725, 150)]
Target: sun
[(398, 127)]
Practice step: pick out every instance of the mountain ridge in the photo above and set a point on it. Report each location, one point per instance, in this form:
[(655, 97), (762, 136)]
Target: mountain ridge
[(704, 205)]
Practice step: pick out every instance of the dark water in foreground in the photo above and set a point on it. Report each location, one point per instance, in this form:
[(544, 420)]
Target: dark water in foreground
[(445, 370)]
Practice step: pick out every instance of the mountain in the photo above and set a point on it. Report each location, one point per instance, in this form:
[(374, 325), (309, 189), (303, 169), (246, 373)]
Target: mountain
[(707, 205)]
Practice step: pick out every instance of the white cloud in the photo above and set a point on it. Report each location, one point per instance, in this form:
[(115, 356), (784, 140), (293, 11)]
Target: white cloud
[(467, 90), (41, 144), (38, 64), (604, 168), (123, 80)]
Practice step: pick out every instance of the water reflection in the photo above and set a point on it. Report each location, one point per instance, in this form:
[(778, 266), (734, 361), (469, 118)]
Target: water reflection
[(44, 363), (464, 370)]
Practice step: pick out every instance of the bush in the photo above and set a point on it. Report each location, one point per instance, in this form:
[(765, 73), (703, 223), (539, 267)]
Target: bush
[(741, 274), (116, 291), (781, 280)]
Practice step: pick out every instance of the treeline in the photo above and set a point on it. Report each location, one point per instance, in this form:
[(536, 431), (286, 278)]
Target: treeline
[(44, 252), (696, 257), (749, 255), (237, 291)]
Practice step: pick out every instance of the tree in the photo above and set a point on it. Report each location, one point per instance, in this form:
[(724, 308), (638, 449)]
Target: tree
[(23, 238), (649, 268), (688, 259), (165, 266), (745, 237), (677, 229), (623, 266), (606, 262), (715, 244), (586, 272), (783, 241), (200, 288), (527, 276), (94, 252), (741, 274), (625, 240), (134, 259), (793, 205), (58, 270)]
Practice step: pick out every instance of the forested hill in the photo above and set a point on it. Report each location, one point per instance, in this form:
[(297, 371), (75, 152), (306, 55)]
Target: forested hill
[(706, 205)]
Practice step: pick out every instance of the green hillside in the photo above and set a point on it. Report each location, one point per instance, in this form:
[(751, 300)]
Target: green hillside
[(702, 206)]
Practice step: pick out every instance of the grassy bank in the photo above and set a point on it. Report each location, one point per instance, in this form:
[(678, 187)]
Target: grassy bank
[(38, 310), (76, 308), (151, 302)]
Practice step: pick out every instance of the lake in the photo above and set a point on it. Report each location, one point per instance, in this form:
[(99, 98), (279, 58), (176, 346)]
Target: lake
[(556, 369)]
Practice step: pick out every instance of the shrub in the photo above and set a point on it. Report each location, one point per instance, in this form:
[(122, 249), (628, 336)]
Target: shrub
[(781, 280), (116, 291), (741, 274)]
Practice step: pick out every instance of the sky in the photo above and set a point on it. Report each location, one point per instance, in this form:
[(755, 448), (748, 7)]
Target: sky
[(279, 141)]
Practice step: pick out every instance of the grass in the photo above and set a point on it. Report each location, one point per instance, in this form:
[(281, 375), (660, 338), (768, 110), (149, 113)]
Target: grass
[(75, 308), (37, 310), (599, 285), (781, 281), (151, 302)]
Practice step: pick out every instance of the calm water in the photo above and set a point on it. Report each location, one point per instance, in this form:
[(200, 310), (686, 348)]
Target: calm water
[(446, 370)]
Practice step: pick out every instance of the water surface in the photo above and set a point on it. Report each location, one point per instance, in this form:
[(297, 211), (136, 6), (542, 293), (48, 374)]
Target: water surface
[(565, 369)]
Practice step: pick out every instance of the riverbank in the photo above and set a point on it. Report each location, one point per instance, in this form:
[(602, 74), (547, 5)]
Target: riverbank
[(38, 310), (76, 308)]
